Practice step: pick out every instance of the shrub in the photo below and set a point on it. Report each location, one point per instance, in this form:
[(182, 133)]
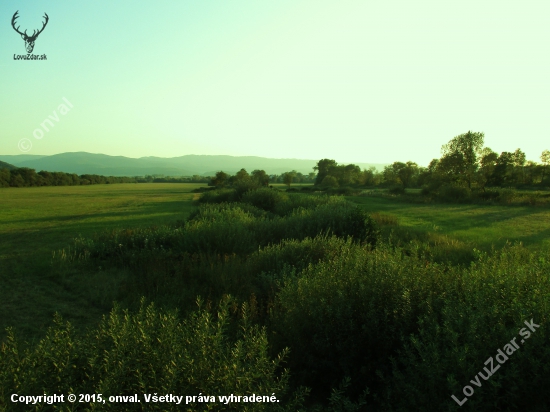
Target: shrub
[(149, 352), (210, 211), (264, 198), (342, 191), (489, 195), (415, 333), (450, 193), (225, 229), (341, 219), (203, 189), (338, 311), (244, 186), (396, 190), (219, 196), (296, 201), (425, 190), (506, 195), (330, 181)]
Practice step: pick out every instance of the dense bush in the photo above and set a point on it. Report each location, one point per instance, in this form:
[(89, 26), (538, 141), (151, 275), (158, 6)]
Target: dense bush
[(449, 193), (416, 333), (219, 196), (337, 312), (341, 219), (265, 198), (150, 352), (396, 190), (343, 191), (489, 195)]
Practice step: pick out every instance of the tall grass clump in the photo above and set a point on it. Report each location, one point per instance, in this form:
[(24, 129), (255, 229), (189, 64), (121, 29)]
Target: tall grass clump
[(150, 352)]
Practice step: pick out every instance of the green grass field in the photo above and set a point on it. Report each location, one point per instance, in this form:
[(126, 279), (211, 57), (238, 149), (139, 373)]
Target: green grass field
[(481, 225), (36, 222)]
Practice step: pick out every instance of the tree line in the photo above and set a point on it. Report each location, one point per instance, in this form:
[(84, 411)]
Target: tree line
[(465, 163), (259, 178), (26, 177)]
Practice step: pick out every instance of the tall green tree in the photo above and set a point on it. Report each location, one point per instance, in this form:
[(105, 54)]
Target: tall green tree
[(487, 167), (348, 174), (260, 177), (5, 177), (330, 181), (502, 173), (288, 178), (241, 176), (323, 169), (462, 154), (367, 177), (545, 159), (401, 173), (519, 160), (221, 179)]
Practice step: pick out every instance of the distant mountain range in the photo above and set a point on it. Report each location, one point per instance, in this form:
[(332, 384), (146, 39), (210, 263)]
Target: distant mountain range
[(188, 165)]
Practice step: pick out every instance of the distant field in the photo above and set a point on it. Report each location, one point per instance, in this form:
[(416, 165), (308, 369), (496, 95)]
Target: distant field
[(38, 220), (34, 222), (482, 225)]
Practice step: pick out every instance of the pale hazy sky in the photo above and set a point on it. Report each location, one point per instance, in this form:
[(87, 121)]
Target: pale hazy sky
[(354, 81)]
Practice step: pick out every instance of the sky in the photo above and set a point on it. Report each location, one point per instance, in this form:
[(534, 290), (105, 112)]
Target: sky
[(350, 80)]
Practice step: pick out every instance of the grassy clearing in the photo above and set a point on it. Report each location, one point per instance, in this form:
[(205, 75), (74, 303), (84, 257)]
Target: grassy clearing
[(482, 226), (35, 222)]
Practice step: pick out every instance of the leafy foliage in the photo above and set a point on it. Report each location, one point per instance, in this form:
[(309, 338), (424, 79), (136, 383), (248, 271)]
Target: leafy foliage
[(149, 352)]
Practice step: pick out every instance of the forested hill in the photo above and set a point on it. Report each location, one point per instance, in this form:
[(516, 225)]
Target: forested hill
[(4, 165)]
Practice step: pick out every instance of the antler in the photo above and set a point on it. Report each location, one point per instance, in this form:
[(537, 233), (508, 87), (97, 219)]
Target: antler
[(43, 26), (34, 34), (15, 16)]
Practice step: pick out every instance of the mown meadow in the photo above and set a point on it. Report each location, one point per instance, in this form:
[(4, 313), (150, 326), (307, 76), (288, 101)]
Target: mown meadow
[(332, 303), (37, 222)]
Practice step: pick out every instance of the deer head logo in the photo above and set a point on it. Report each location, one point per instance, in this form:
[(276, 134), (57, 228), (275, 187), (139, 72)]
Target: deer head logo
[(29, 40)]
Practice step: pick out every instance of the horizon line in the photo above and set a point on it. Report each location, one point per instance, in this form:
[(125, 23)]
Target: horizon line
[(173, 157)]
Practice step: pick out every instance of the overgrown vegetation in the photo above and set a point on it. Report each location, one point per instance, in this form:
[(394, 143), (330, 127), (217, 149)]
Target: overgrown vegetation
[(150, 352), (363, 317)]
